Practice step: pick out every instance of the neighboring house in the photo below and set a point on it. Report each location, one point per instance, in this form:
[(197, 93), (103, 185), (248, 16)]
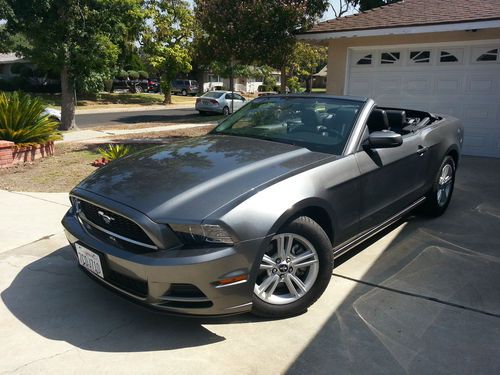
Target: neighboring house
[(438, 55), (319, 79), (242, 84), (6, 62)]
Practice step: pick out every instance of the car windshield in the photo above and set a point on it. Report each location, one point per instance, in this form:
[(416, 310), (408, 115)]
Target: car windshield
[(317, 123), (213, 94)]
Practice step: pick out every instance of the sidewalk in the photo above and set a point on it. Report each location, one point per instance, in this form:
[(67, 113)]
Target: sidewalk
[(101, 135), (113, 109), (28, 217)]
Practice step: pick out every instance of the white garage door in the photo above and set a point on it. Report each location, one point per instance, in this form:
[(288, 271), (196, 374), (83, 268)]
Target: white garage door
[(459, 80)]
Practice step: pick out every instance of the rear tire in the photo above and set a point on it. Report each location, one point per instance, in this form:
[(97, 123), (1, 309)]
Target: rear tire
[(184, 93), (293, 278), (439, 197)]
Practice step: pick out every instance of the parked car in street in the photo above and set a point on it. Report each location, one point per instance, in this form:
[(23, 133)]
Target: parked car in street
[(54, 114), (137, 85), (222, 102), (252, 216), (185, 87)]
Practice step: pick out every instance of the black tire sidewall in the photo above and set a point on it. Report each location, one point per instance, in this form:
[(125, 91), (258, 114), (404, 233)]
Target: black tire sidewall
[(309, 229), (432, 206)]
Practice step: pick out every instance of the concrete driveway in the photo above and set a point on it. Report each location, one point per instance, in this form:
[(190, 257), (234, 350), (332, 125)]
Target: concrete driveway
[(424, 297)]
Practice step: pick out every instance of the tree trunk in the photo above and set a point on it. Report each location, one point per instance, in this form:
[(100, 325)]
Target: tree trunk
[(167, 90), (283, 80), (67, 101), (309, 80)]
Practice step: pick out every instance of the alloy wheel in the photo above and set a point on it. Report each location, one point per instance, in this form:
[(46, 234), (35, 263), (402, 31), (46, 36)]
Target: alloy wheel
[(288, 270), (444, 184)]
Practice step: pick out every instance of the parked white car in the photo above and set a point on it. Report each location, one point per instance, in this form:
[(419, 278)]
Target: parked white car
[(54, 114), (223, 102)]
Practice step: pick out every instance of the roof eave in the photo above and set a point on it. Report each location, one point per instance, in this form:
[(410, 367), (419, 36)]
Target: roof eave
[(405, 30)]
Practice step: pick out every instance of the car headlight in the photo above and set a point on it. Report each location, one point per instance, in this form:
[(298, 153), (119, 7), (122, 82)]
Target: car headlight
[(197, 234)]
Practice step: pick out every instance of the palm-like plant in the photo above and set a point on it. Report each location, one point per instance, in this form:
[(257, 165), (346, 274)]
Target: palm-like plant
[(114, 151), (23, 122)]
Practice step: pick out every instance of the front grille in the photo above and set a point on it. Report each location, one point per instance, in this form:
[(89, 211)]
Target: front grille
[(117, 223), (129, 284)]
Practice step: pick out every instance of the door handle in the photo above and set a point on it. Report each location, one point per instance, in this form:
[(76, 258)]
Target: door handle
[(422, 150)]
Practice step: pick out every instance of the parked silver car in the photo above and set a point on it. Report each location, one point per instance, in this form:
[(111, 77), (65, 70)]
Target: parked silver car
[(223, 102)]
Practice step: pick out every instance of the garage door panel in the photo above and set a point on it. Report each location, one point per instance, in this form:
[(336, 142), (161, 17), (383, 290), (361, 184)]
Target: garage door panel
[(468, 90)]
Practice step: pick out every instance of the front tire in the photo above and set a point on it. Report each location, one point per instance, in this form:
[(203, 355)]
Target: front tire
[(184, 93), (225, 111), (439, 196), (295, 271)]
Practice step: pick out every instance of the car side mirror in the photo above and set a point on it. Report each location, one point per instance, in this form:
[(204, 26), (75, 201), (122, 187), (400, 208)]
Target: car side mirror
[(383, 139)]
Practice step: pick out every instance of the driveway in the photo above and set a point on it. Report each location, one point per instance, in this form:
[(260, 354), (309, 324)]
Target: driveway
[(423, 297)]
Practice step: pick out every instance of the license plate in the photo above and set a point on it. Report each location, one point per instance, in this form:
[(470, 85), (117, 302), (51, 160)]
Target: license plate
[(89, 260)]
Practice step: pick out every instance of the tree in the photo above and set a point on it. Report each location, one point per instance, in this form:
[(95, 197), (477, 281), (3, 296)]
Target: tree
[(167, 38), (255, 32), (80, 39), (305, 60)]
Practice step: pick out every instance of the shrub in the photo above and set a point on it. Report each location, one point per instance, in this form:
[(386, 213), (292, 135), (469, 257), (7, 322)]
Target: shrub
[(122, 74), (23, 122), (143, 74), (132, 74), (114, 151)]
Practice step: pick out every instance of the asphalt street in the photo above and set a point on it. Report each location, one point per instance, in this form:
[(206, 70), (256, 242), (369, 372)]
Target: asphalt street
[(91, 120)]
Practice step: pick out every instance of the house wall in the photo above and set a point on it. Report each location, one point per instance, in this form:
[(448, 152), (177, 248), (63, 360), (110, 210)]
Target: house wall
[(338, 48)]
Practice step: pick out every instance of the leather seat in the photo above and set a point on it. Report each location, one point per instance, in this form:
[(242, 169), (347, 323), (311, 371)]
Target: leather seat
[(310, 119), (378, 121), (397, 119)]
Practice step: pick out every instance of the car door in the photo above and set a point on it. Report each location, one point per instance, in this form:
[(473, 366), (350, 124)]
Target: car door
[(390, 178), (239, 101)]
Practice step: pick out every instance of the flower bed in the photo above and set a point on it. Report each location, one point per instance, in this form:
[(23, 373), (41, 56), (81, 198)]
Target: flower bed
[(10, 154)]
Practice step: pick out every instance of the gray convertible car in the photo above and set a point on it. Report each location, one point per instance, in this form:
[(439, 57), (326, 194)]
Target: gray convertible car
[(251, 216)]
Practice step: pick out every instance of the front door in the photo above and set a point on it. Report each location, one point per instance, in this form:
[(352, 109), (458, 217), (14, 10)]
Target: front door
[(391, 179)]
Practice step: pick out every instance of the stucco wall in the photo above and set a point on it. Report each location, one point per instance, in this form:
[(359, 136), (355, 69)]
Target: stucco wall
[(337, 49)]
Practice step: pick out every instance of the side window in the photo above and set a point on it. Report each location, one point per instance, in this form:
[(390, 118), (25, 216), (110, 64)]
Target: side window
[(229, 96), (238, 97)]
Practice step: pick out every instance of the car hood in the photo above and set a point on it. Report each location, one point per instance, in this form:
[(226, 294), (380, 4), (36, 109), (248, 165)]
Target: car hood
[(189, 179)]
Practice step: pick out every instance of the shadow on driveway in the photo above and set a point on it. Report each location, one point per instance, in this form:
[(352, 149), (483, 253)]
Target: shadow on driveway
[(56, 300), (429, 303)]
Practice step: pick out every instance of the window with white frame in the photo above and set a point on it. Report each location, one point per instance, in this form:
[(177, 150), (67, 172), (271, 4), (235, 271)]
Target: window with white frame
[(420, 57), (451, 56), (365, 60), (486, 55), (390, 57)]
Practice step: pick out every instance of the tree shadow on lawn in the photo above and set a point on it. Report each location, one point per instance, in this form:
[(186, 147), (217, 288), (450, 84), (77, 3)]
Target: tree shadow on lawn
[(55, 299)]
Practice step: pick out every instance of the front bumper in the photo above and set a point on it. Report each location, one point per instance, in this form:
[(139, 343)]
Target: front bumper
[(180, 281)]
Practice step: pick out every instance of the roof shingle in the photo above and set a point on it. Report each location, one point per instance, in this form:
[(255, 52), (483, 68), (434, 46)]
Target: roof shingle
[(414, 13)]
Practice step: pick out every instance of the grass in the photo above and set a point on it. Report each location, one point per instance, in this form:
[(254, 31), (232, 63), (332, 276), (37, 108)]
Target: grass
[(116, 99), (72, 162)]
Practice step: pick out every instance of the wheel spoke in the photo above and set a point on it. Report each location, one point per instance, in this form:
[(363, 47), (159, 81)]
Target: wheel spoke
[(299, 283), (304, 260), (267, 283), (284, 245), (276, 281), (267, 263), (290, 286)]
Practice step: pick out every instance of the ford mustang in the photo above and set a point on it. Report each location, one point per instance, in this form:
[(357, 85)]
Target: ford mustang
[(252, 216)]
